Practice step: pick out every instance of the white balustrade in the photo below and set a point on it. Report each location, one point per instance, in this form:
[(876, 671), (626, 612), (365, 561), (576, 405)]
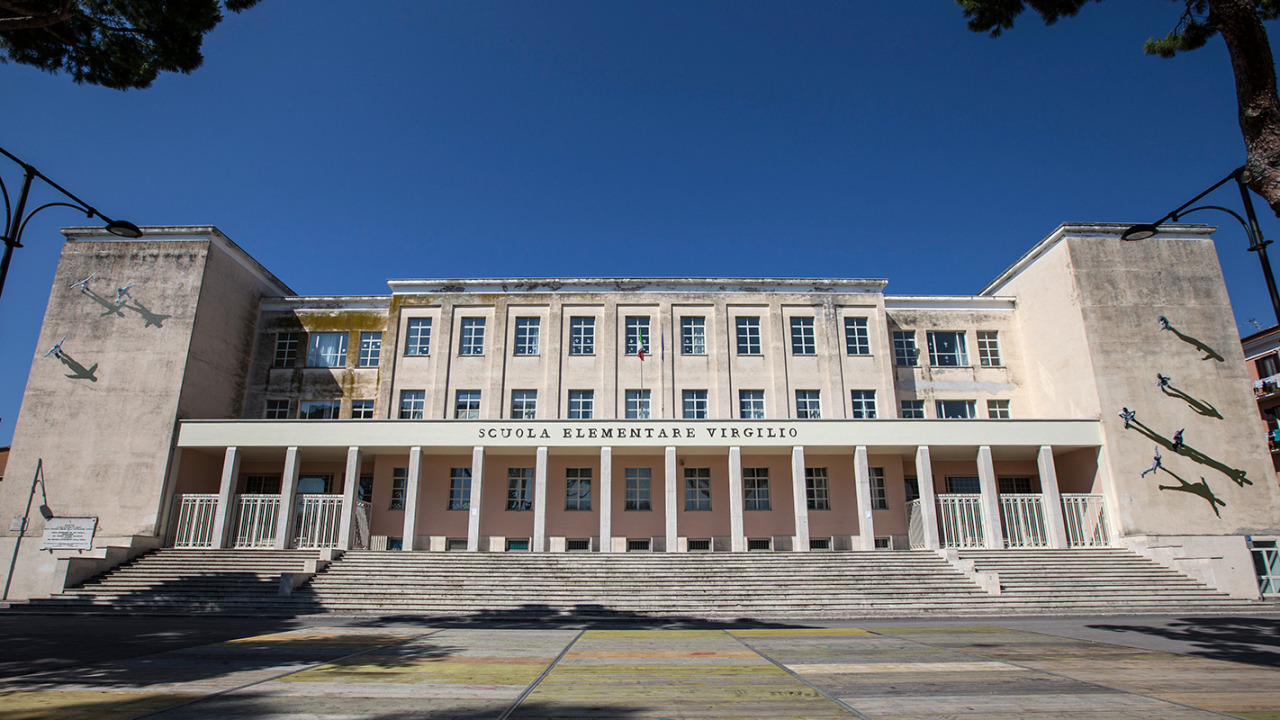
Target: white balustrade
[(194, 528), (960, 520), (1086, 520), (1022, 520), (319, 517), (256, 521)]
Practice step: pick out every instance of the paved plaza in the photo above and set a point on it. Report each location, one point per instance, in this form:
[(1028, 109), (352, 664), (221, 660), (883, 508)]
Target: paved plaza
[(1098, 669)]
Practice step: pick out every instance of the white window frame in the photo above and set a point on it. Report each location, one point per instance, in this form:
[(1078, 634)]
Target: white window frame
[(755, 489), (319, 356), (946, 409), (957, 356), (582, 404), (804, 339), (638, 489), (817, 490), (637, 334), (417, 337), (879, 495), (466, 405), (362, 409), (694, 404), (747, 334), (370, 349), (471, 336), (319, 409), (582, 335), (697, 489), (988, 348), (808, 404), (399, 486), (528, 333), (413, 404), (286, 355), (998, 409), (520, 489), (693, 335), (856, 339), (905, 351), (637, 405), (913, 409), (277, 409), (751, 404), (524, 404), (459, 488), (577, 489), (862, 404)]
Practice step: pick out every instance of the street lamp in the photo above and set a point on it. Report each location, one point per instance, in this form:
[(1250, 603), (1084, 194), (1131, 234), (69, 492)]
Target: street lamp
[(45, 512), (1258, 245), (16, 222)]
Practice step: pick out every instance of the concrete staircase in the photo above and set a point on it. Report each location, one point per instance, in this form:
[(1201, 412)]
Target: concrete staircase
[(844, 585)]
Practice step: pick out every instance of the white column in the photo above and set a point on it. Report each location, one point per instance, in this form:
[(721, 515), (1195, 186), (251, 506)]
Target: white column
[(928, 500), (409, 539), (477, 484), (737, 537), (350, 483), (862, 484), (606, 499), (226, 497), (1056, 526), (801, 499), (669, 500), (288, 498), (992, 530), (540, 501)]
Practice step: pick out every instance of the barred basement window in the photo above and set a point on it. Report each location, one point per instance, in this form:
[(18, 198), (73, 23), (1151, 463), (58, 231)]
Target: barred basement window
[(577, 545), (822, 543), (699, 544), (882, 543), (455, 544), (638, 545), (517, 543), (759, 543)]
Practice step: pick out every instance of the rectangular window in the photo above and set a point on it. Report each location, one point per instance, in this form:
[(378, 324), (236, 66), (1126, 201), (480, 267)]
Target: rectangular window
[(582, 404), (262, 485), (956, 409), (751, 404), (582, 336), (815, 488), (399, 479), (370, 349), (912, 486), (466, 405), (856, 341), (913, 409), (988, 348), (519, 488), (879, 498), (1014, 485), (577, 489), (417, 339), (318, 409), (802, 338), (277, 410), (693, 335), (327, 349), (460, 488), (905, 352), (527, 331), (808, 404), (637, 404), (524, 405), (695, 404), (1267, 365), (748, 335), (638, 495), (697, 489), (471, 340), (947, 349), (413, 404), (998, 409), (315, 484), (286, 350), (864, 404), (364, 490), (963, 484), (637, 335), (755, 488), (361, 409)]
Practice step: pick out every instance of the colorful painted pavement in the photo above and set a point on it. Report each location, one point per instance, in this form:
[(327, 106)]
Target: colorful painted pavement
[(907, 673)]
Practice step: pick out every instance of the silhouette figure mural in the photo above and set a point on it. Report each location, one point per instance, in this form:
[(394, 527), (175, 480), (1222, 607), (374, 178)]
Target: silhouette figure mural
[(1209, 353), (78, 371), (121, 303), (1201, 407)]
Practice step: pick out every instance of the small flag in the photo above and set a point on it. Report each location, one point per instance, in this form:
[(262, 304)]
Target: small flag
[(640, 342), (662, 338)]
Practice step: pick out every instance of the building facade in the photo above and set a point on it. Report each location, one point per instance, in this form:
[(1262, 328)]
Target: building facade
[(194, 400)]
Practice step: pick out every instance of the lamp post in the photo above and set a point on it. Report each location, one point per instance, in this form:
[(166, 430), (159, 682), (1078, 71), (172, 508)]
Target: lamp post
[(45, 512), (16, 221), (1249, 222)]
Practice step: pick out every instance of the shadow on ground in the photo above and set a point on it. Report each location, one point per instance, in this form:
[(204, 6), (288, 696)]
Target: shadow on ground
[(1236, 639)]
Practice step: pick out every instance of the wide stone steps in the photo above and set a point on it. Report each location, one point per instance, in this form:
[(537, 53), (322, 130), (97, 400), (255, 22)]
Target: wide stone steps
[(714, 585)]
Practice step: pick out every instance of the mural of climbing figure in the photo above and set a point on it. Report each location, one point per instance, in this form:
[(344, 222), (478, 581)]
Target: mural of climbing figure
[(1165, 383), (1209, 353), (1178, 445)]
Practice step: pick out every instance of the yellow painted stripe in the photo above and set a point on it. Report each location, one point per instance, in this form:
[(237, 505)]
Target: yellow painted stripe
[(800, 632), (83, 705), (580, 654), (923, 667), (651, 633)]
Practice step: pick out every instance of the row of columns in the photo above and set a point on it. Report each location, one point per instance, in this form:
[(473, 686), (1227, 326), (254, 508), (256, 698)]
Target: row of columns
[(1055, 525)]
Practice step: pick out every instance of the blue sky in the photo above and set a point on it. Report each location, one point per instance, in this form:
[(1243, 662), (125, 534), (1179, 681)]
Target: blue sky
[(343, 145)]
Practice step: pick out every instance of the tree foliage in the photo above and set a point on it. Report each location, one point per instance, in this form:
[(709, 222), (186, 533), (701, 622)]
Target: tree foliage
[(1238, 22), (119, 44)]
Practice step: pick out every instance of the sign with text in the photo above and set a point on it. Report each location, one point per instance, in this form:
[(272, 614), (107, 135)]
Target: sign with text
[(69, 533)]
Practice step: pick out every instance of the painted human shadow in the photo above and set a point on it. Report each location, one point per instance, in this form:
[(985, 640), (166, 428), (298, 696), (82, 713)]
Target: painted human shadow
[(149, 317), (78, 371), (1201, 489), (1199, 406), (1209, 353), (1238, 476)]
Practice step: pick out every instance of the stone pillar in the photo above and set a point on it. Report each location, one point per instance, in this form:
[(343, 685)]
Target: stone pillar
[(991, 527), (800, 496), (928, 500), (669, 500), (350, 487), (737, 535), (226, 497), (1055, 525), (409, 539), (606, 499), (540, 501), (288, 498), (477, 486), (862, 483)]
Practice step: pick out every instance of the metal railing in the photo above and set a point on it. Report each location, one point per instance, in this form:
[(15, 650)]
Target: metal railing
[(360, 526), (319, 518), (960, 520), (1022, 520), (1085, 516), (196, 514), (256, 518), (915, 525)]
